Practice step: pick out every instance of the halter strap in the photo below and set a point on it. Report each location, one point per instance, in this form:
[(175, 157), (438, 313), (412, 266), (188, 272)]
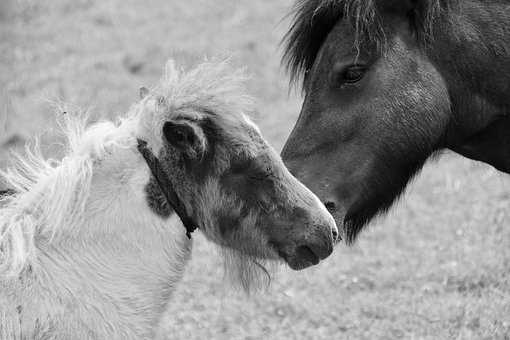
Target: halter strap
[(166, 187), (7, 192)]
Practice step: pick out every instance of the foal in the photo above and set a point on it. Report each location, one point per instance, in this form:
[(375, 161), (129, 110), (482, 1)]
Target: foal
[(90, 248)]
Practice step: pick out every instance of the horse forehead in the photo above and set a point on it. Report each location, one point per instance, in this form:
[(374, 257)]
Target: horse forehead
[(342, 38), (338, 46), (344, 41)]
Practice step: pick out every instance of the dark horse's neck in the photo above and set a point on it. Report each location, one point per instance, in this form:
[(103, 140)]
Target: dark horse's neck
[(491, 145), (474, 56)]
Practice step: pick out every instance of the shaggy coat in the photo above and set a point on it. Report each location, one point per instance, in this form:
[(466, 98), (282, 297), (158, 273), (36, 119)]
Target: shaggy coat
[(90, 249)]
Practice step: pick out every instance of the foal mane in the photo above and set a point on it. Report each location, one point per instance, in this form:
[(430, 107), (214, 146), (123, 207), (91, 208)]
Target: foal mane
[(313, 20), (49, 196)]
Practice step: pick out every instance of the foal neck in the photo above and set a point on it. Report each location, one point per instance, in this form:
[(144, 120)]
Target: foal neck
[(111, 276)]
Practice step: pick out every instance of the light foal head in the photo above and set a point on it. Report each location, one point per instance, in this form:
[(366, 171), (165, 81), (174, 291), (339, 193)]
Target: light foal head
[(231, 181)]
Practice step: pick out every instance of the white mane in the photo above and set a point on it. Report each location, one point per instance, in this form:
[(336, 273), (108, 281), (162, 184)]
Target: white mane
[(51, 195)]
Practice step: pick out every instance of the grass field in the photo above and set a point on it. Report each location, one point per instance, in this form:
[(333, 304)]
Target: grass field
[(437, 267)]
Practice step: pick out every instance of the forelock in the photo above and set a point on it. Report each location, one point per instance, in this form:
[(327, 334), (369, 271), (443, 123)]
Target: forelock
[(313, 20), (213, 92), (212, 86)]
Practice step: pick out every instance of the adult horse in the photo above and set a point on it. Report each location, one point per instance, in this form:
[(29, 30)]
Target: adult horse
[(387, 84), (90, 247)]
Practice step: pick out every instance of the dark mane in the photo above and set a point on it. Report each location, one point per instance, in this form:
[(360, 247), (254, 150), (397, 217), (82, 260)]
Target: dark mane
[(314, 19)]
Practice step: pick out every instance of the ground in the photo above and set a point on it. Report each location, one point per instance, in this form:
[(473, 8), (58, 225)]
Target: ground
[(436, 267)]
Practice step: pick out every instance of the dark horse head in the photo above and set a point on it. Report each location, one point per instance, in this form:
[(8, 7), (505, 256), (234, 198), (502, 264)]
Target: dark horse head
[(387, 84)]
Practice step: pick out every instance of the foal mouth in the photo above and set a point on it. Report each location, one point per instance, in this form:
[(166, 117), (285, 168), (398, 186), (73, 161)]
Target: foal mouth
[(302, 257)]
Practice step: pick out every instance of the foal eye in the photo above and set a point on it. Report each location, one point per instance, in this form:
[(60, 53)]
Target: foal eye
[(179, 136)]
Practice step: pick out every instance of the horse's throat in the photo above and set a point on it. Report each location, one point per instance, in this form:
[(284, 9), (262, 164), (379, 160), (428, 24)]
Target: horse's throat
[(491, 145)]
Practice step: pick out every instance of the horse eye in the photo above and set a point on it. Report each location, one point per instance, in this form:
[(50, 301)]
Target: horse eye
[(353, 74), (349, 75)]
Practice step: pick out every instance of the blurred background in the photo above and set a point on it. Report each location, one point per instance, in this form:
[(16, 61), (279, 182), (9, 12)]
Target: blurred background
[(436, 267)]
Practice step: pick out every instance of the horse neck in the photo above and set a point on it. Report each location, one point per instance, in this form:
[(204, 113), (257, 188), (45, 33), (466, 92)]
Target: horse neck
[(473, 54)]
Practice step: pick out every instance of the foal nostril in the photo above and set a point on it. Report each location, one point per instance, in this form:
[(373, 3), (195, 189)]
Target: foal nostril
[(331, 206)]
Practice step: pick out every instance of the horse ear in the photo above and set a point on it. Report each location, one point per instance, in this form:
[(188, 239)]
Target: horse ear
[(416, 11), (187, 136), (143, 92)]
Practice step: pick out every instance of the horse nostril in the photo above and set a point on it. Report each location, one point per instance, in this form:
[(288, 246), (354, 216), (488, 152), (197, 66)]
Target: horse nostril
[(335, 235), (331, 206)]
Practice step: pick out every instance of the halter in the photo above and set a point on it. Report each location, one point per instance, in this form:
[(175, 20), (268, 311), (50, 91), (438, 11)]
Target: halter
[(7, 192), (166, 187)]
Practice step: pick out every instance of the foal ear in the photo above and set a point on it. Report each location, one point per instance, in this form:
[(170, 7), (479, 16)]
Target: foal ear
[(187, 136)]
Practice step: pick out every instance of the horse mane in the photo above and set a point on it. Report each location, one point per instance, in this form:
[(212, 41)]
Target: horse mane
[(314, 19), (49, 196)]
